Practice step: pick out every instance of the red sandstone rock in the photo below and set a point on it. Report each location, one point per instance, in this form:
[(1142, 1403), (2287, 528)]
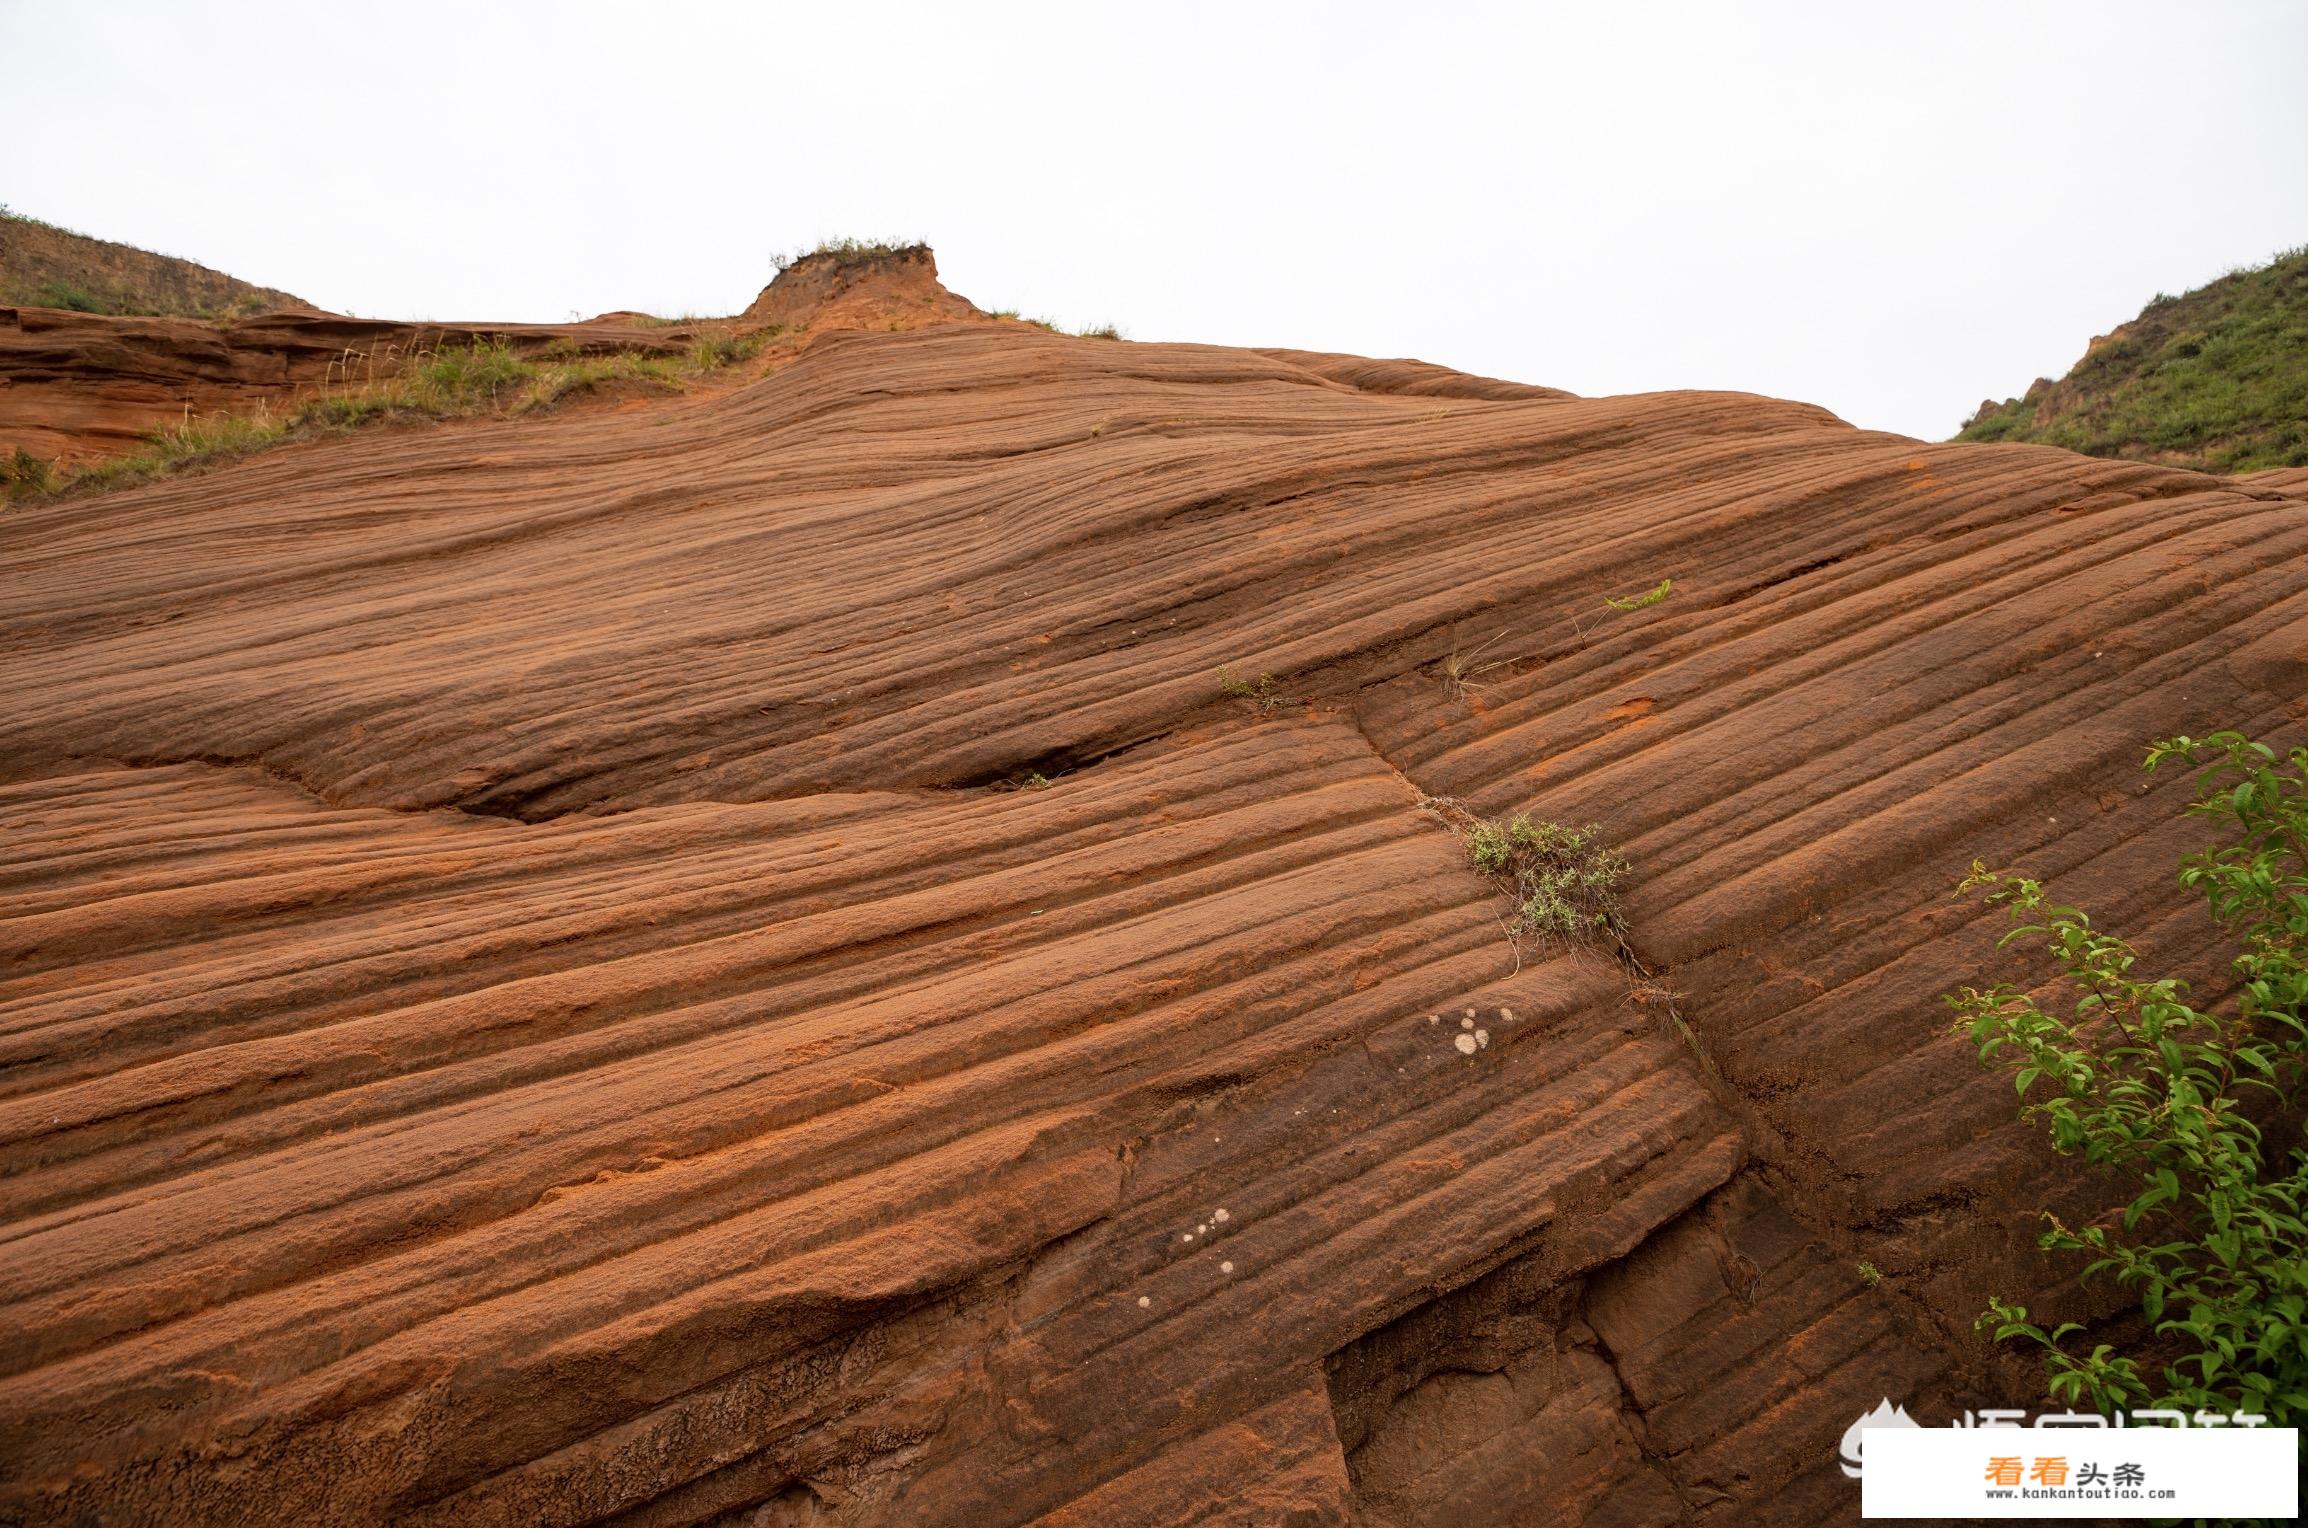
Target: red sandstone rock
[(528, 999)]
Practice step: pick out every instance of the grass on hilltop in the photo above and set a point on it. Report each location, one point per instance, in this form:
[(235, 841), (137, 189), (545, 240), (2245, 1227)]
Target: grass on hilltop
[(848, 251), (43, 265), (2216, 379)]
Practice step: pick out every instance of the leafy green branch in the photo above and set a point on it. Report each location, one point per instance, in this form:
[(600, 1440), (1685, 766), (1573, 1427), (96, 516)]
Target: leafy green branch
[(2196, 1108)]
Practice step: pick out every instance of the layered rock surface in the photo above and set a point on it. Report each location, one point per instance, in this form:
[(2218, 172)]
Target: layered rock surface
[(735, 960)]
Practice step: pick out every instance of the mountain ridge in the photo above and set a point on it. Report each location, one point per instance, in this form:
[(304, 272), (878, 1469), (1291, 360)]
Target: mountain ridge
[(42, 265)]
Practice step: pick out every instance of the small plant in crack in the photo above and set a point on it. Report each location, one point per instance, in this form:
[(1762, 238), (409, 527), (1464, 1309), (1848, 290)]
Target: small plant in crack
[(1654, 595), (1869, 1274), (1565, 883), (1565, 880), (1262, 692), (1622, 603)]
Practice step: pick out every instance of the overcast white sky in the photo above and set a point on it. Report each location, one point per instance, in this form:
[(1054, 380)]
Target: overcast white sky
[(1890, 210)]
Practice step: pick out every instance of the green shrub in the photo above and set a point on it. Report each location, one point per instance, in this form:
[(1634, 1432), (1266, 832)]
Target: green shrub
[(2195, 1109), (63, 294), (1565, 880)]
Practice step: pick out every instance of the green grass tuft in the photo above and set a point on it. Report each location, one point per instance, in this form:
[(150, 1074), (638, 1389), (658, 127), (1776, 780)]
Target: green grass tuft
[(1654, 595)]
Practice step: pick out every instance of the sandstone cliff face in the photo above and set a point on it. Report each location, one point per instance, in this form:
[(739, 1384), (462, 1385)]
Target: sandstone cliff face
[(78, 387), (543, 984)]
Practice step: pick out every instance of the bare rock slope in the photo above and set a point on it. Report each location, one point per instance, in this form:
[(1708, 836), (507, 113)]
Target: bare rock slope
[(732, 960)]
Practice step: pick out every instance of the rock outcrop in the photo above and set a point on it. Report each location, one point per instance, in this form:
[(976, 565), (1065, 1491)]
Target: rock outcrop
[(78, 387), (860, 287), (736, 957)]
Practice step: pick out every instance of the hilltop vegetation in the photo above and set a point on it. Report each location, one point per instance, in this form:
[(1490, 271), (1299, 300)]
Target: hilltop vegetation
[(850, 252), (44, 266), (2216, 379)]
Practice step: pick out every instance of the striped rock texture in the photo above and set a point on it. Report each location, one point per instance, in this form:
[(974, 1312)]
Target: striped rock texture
[(733, 960)]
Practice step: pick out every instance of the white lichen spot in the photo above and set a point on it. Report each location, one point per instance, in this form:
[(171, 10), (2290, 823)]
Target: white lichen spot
[(1221, 1217), (1189, 1236), (1507, 1014), (1465, 1043), (1225, 1267), (1470, 1013), (1143, 1302), (1469, 1021), (1434, 1018), (1482, 1037), (1202, 1229)]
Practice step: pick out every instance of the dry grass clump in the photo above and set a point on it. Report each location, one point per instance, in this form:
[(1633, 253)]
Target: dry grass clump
[(1461, 670), (848, 251), (1264, 693)]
